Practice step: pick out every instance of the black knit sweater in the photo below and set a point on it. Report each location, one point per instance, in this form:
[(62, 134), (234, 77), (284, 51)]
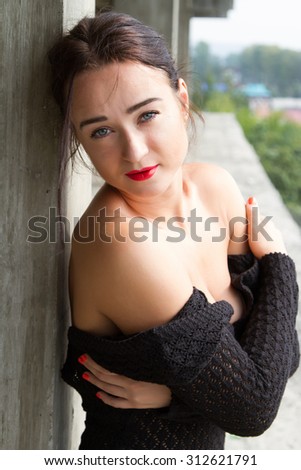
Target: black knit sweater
[(224, 378)]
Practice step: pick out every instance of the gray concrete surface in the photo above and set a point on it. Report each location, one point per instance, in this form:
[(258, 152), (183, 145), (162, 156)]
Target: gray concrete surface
[(29, 324), (221, 141), (35, 405)]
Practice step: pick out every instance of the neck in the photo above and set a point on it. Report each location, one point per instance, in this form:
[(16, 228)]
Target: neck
[(170, 203)]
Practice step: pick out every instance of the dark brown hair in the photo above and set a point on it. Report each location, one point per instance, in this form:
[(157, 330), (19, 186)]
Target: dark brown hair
[(94, 42), (108, 37)]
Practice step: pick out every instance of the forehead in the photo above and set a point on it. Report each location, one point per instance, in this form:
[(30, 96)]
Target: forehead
[(119, 82)]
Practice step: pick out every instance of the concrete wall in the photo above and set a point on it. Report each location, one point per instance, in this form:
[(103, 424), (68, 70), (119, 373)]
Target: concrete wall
[(35, 405)]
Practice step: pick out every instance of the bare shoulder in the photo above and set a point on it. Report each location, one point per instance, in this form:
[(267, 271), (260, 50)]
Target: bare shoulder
[(121, 274), (214, 184), (221, 195), (209, 176)]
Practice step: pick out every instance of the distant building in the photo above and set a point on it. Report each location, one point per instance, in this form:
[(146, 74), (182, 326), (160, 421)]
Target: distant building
[(259, 97), (290, 107), (255, 90)]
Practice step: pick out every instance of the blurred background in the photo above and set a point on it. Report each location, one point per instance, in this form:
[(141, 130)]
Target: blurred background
[(249, 64)]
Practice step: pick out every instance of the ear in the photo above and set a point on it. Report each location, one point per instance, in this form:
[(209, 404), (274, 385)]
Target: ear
[(183, 97)]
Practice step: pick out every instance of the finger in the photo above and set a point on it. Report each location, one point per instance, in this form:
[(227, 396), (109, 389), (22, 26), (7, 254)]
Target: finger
[(117, 391), (256, 219), (250, 205), (93, 366), (252, 212), (114, 402), (252, 201), (98, 375), (123, 403), (263, 236)]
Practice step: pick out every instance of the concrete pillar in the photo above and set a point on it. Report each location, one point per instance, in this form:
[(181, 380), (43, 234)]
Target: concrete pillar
[(156, 13), (169, 17), (35, 405), (183, 40)]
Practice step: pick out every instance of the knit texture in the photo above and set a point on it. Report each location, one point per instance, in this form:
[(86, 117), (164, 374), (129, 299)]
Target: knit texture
[(224, 378)]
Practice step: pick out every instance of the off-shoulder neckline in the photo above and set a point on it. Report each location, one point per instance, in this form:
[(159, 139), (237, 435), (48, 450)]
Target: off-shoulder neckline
[(182, 313)]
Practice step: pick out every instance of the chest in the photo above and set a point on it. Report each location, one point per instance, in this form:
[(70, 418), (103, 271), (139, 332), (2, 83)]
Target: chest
[(199, 249)]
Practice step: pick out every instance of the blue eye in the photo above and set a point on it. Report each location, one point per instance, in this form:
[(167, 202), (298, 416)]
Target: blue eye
[(148, 116), (100, 133)]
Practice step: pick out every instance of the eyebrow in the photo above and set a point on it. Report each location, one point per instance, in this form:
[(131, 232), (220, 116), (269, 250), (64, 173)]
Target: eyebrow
[(130, 110), (143, 103)]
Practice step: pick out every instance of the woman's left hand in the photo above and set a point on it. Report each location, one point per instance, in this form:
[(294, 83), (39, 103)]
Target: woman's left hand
[(119, 391)]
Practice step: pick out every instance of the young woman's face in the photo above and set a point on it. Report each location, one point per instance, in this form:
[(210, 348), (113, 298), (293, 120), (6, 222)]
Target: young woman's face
[(132, 125)]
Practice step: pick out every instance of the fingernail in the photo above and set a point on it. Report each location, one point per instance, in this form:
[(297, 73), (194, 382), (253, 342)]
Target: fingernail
[(250, 200), (98, 395), (85, 376), (82, 359)]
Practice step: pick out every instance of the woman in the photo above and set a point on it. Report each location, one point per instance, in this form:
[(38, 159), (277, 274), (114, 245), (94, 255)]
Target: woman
[(178, 333)]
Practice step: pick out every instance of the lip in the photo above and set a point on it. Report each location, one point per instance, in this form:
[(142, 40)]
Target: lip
[(143, 174)]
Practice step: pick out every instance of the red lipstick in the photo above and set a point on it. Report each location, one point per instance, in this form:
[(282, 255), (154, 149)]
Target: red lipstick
[(143, 174)]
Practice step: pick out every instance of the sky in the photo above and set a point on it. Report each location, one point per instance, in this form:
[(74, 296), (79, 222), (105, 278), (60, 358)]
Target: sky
[(275, 22)]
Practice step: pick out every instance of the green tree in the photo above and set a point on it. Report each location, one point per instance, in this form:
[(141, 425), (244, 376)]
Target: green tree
[(278, 68), (207, 70), (278, 144)]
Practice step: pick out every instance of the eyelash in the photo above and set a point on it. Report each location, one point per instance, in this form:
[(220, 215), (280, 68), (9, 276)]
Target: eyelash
[(152, 114), (95, 136)]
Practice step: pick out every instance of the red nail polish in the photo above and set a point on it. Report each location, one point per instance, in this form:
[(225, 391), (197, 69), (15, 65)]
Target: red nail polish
[(85, 376), (98, 395), (82, 359), (251, 200)]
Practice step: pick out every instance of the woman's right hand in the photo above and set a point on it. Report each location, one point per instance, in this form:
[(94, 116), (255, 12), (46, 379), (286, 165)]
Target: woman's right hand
[(120, 391), (263, 236)]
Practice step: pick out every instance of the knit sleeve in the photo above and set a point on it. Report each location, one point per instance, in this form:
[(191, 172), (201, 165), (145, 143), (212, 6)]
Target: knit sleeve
[(236, 380), (241, 387)]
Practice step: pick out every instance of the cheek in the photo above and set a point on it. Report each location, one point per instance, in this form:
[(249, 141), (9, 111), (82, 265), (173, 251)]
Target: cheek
[(170, 140), (101, 162), (178, 137), (97, 153), (174, 128)]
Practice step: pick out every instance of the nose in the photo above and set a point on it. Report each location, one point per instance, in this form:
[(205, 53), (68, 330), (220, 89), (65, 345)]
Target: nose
[(134, 146)]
